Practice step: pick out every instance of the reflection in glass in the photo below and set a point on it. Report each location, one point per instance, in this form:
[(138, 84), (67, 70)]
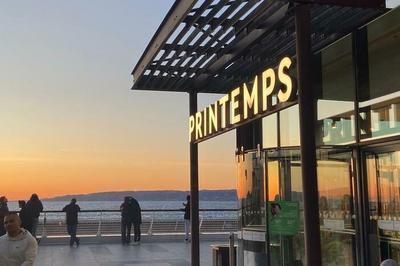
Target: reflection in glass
[(289, 127), (335, 189), (284, 183), (335, 100), (251, 190), (383, 173), (380, 103), (336, 207), (270, 131)]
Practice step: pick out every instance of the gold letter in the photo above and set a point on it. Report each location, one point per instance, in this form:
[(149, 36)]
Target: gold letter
[(213, 118), (286, 80), (191, 127), (224, 110), (267, 89), (205, 122), (235, 105), (250, 101), (199, 134)]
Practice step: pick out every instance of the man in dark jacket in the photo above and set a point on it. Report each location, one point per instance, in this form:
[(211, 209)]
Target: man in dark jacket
[(71, 211), (34, 207), (137, 220), (126, 220), (3, 213)]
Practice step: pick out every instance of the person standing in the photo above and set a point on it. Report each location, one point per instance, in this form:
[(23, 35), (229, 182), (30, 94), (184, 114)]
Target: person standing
[(126, 220), (3, 212), (137, 220), (25, 216), (34, 207), (186, 217), (18, 247), (71, 210)]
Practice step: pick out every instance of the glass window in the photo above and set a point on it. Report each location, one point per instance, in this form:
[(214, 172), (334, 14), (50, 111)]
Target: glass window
[(251, 190), (383, 173), (270, 131), (336, 207), (289, 126), (380, 101), (284, 183), (335, 94)]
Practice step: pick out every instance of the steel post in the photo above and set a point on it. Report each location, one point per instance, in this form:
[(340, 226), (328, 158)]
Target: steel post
[(312, 241), (194, 190)]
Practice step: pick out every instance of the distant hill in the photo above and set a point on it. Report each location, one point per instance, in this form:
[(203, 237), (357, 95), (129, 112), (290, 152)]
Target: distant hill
[(159, 195)]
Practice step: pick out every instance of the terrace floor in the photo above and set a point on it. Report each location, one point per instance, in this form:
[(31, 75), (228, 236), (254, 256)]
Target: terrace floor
[(165, 253)]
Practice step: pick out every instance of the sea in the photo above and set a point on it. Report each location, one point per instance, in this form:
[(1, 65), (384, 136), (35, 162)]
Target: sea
[(98, 210)]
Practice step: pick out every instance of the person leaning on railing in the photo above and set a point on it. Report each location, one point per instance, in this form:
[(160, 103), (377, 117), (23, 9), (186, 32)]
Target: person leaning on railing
[(71, 211)]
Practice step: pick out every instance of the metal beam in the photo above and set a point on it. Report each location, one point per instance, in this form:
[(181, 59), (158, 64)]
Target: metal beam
[(312, 238), (194, 189), (175, 15)]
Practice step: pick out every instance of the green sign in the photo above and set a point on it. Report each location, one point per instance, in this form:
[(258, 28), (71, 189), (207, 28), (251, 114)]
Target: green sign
[(283, 217)]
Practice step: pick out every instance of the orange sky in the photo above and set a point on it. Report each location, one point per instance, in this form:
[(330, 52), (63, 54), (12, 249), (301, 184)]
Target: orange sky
[(75, 172)]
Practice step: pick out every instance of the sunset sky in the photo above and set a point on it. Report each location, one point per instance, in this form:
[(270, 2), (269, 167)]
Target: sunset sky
[(70, 123)]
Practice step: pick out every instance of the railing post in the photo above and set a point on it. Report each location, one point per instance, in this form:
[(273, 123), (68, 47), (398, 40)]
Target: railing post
[(99, 228), (200, 224), (44, 233), (176, 225), (150, 231), (232, 252)]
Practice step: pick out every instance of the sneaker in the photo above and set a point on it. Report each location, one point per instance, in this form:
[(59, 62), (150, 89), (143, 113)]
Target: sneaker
[(78, 242)]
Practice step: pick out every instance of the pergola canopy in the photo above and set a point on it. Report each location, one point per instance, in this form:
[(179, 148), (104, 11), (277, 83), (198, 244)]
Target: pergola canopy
[(211, 46)]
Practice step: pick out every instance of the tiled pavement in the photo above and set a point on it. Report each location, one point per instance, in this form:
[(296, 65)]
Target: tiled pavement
[(150, 253)]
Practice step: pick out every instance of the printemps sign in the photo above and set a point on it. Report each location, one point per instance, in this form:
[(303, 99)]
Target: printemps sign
[(263, 95)]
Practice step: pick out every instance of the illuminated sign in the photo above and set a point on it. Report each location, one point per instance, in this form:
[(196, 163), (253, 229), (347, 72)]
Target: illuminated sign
[(265, 93)]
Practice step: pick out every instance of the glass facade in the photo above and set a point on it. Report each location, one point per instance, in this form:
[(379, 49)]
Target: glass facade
[(357, 99)]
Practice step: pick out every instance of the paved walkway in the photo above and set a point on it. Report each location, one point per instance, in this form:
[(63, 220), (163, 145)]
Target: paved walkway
[(151, 254)]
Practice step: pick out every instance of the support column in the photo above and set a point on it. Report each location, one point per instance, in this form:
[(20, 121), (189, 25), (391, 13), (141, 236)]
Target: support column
[(194, 189), (312, 240)]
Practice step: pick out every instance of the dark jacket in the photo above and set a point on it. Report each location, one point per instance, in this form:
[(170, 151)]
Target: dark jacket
[(3, 212), (71, 211), (137, 212), (26, 218), (35, 207), (127, 211), (186, 216), (131, 212)]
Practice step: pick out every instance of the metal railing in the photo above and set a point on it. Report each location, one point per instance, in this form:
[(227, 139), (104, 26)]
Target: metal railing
[(101, 223)]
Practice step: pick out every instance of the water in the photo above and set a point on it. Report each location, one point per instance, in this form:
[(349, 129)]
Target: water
[(145, 205)]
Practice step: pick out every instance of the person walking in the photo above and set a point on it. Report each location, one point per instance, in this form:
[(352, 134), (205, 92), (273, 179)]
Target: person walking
[(18, 247), (34, 207), (126, 220), (186, 218), (25, 216), (71, 211), (3, 212), (137, 220)]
